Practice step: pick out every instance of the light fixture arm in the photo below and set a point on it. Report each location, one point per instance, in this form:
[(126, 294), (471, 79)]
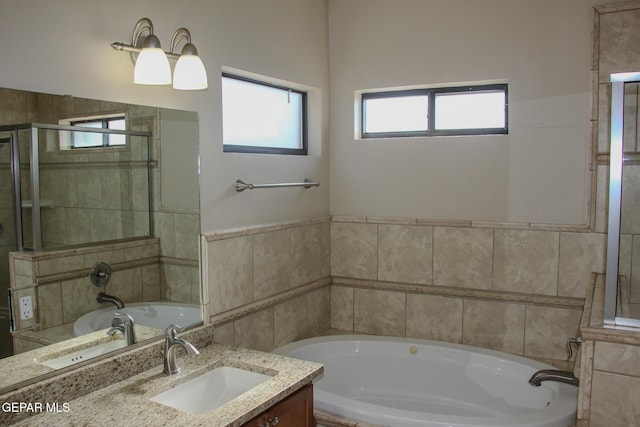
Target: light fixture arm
[(144, 25), (181, 34)]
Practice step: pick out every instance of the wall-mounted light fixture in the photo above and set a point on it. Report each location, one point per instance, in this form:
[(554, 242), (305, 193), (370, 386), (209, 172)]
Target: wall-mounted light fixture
[(152, 64)]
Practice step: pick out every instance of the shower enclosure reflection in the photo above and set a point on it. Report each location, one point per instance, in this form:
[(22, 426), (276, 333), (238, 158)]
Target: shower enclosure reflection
[(99, 181), (7, 244), (622, 298), (67, 192)]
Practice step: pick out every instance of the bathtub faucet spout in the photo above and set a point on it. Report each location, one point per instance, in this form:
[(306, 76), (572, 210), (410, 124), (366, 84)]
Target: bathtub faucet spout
[(553, 375), (102, 297)]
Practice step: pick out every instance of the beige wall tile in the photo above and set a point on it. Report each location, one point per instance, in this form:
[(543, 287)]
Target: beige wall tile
[(89, 189), (60, 265), (494, 325), (23, 267), (306, 254), (604, 117), (49, 305), (151, 289), (290, 321), (326, 249), (547, 331), (187, 236), (255, 331), (178, 282), (78, 298), (580, 255), (618, 43), (342, 308), (526, 261), (271, 263), (629, 218), (625, 255), (617, 358), (405, 253), (434, 318), (224, 333), (110, 257), (379, 312), (125, 284), (463, 257), (116, 189), (147, 250), (634, 283), (354, 250), (319, 310), (164, 226), (614, 400), (230, 273)]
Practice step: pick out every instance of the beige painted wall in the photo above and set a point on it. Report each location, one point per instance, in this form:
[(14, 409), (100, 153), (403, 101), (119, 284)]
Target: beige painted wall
[(62, 47), (537, 173)]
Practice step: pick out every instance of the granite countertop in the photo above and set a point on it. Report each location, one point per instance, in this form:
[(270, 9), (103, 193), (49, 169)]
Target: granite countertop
[(24, 366), (128, 402)]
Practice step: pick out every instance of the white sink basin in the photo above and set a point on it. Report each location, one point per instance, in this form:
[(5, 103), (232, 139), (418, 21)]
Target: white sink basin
[(210, 390), (82, 355)]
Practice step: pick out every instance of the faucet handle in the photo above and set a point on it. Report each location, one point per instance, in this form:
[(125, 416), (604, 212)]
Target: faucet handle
[(122, 319), (172, 331), (572, 341)]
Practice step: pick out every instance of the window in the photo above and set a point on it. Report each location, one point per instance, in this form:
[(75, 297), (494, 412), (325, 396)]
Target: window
[(81, 139), (259, 117), (465, 110)]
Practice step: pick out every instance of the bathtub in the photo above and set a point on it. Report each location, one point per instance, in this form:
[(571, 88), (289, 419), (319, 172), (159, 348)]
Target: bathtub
[(401, 382), (157, 315)]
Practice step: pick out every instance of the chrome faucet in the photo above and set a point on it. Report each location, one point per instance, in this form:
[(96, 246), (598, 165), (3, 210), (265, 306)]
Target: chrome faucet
[(102, 297), (553, 375), (123, 323), (171, 343)]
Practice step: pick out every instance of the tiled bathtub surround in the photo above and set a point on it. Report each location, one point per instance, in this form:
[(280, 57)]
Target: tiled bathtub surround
[(511, 288), (61, 289), (514, 288), (268, 285), (609, 373)]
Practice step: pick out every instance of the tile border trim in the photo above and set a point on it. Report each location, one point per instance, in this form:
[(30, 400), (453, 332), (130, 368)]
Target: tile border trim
[(467, 293)]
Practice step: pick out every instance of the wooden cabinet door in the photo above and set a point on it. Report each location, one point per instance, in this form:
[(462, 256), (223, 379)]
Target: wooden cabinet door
[(295, 411)]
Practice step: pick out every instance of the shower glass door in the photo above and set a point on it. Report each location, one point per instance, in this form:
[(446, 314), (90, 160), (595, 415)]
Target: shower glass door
[(622, 298)]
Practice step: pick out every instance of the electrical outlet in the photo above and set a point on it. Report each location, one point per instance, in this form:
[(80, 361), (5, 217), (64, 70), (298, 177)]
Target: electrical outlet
[(26, 308)]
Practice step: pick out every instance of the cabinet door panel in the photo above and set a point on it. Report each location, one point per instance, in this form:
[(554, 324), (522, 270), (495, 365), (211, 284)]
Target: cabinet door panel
[(295, 411)]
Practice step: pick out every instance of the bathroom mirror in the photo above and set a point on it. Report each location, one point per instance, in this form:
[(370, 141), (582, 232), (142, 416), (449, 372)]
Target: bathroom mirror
[(138, 171)]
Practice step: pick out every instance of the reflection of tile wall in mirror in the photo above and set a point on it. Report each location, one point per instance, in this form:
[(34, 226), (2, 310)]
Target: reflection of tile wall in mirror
[(96, 196)]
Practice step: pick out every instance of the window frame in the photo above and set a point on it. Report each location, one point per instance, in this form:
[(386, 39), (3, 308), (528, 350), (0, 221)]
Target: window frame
[(104, 121), (431, 94), (67, 137), (303, 151)]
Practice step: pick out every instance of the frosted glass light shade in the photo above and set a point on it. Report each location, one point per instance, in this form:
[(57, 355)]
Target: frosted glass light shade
[(152, 68), (189, 73)]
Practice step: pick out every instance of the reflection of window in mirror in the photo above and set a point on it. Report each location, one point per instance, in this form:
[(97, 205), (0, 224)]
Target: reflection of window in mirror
[(75, 140)]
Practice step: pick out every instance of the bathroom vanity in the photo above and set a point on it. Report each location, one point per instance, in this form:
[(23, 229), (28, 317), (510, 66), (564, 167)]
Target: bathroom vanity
[(283, 398), (294, 411)]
